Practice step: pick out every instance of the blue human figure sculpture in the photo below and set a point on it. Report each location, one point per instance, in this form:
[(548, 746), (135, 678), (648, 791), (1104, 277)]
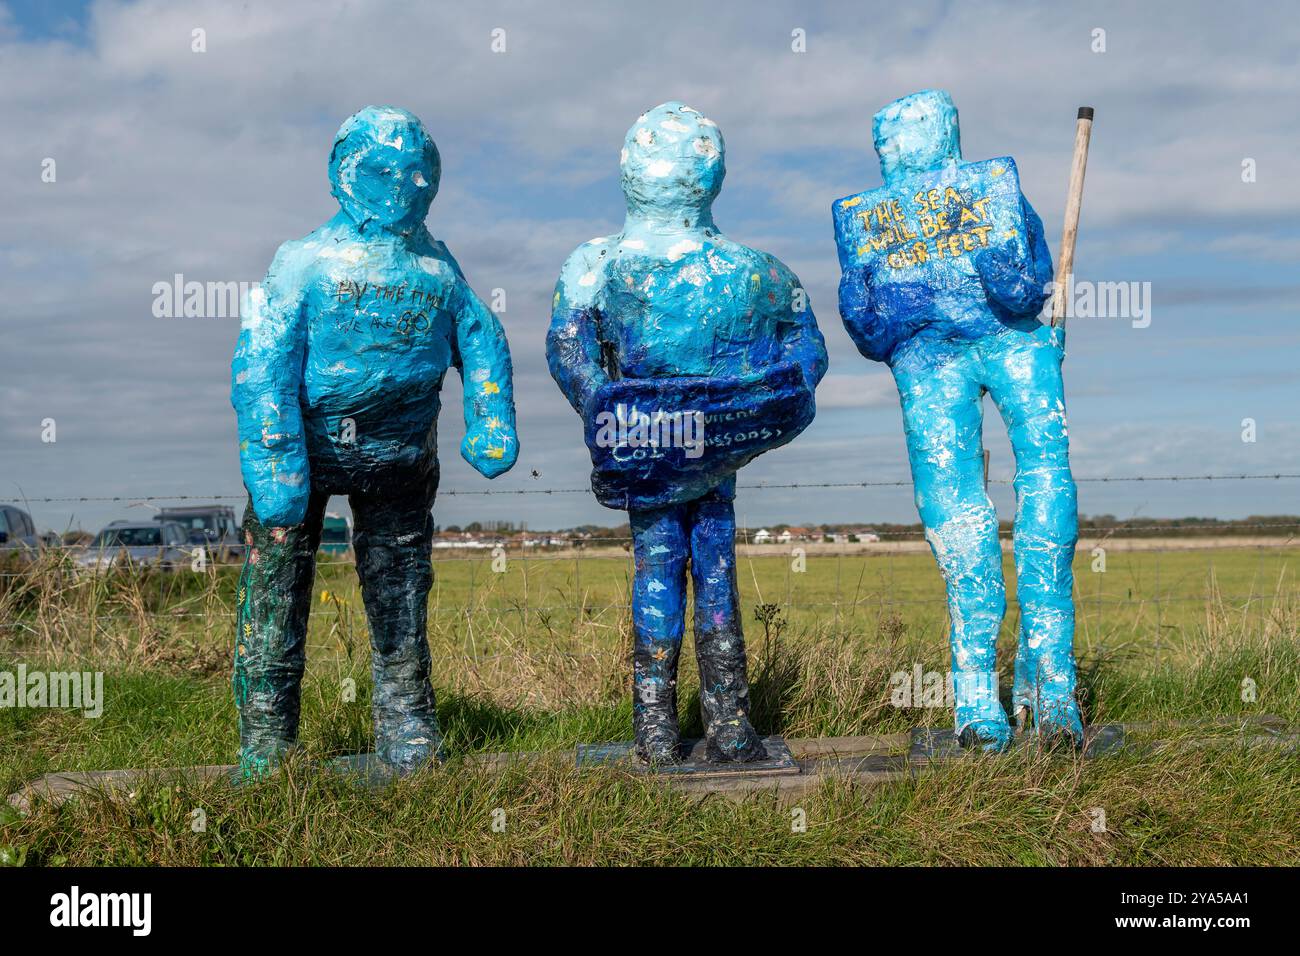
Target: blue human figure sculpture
[(670, 300), (945, 270), (336, 380)]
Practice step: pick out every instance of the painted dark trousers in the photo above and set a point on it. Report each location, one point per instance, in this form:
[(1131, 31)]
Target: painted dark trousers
[(700, 533), (392, 539)]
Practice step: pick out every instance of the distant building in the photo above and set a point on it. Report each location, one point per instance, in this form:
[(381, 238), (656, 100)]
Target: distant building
[(762, 536)]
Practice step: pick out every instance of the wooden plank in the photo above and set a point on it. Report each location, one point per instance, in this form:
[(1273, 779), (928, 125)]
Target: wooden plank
[(695, 760), (863, 770), (802, 747), (60, 787), (929, 743), (1270, 723), (866, 760)]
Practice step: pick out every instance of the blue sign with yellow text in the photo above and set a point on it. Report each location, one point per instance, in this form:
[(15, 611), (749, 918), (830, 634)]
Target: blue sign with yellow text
[(916, 243)]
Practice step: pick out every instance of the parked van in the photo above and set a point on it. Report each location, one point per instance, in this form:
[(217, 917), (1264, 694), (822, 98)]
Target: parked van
[(212, 525), (161, 545), (18, 533)]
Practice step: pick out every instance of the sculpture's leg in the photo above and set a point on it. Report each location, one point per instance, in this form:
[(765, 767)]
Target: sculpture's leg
[(943, 420), (393, 543), (274, 599), (719, 638), (1025, 382), (658, 620)]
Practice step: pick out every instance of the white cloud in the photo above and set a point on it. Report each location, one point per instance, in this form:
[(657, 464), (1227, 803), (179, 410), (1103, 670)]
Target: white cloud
[(172, 161)]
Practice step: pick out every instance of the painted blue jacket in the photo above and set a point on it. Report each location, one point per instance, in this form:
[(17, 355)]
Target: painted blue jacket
[(670, 296), (945, 249), (343, 348)]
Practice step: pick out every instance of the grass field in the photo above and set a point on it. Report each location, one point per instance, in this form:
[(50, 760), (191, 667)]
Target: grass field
[(535, 658)]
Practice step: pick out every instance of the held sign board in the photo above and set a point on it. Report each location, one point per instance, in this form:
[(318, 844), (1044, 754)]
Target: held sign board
[(935, 220), (917, 240), (659, 442)]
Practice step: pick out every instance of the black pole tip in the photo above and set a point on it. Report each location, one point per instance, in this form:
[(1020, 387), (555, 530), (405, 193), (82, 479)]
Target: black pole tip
[(1085, 112)]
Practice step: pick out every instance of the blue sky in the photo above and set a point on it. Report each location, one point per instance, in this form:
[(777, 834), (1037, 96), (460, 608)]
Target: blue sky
[(202, 163)]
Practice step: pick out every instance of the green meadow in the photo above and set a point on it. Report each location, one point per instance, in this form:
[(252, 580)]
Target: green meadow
[(534, 657)]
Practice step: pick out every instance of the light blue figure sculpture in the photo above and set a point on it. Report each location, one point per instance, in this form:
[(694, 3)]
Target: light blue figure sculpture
[(336, 382), (674, 316), (945, 270)]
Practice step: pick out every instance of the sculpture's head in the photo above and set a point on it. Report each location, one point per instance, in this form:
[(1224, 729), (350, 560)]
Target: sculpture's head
[(672, 165), (916, 134), (384, 169)]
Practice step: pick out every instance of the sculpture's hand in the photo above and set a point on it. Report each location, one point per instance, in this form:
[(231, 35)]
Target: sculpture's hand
[(801, 341), (487, 376), (1006, 280), (1018, 281), (491, 447), (858, 312)]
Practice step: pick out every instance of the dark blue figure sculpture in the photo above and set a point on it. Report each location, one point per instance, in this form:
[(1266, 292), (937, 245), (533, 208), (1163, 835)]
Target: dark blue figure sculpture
[(669, 323), (336, 382), (945, 270)]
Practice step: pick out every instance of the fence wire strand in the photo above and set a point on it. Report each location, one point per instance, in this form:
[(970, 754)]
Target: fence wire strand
[(760, 486), (888, 543)]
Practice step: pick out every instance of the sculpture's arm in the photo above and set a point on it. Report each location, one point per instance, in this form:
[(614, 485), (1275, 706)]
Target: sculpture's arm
[(573, 350), (1019, 284), (482, 356), (266, 376), (858, 312), (801, 340)]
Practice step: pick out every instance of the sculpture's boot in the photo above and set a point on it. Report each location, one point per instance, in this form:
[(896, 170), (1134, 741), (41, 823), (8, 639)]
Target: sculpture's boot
[(407, 737), (393, 544), (981, 721), (654, 702), (1044, 697), (274, 598), (990, 736), (1060, 725), (724, 698)]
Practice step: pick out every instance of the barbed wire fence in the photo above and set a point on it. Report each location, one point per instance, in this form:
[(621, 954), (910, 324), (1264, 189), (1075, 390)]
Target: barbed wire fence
[(890, 544), (759, 486)]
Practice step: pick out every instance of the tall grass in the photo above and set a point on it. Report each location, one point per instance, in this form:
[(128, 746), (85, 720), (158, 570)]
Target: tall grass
[(514, 676)]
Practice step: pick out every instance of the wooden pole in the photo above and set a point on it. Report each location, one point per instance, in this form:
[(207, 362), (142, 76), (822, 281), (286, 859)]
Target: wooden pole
[(1073, 200)]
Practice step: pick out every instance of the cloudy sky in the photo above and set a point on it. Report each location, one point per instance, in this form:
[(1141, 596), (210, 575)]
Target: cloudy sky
[(168, 161)]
